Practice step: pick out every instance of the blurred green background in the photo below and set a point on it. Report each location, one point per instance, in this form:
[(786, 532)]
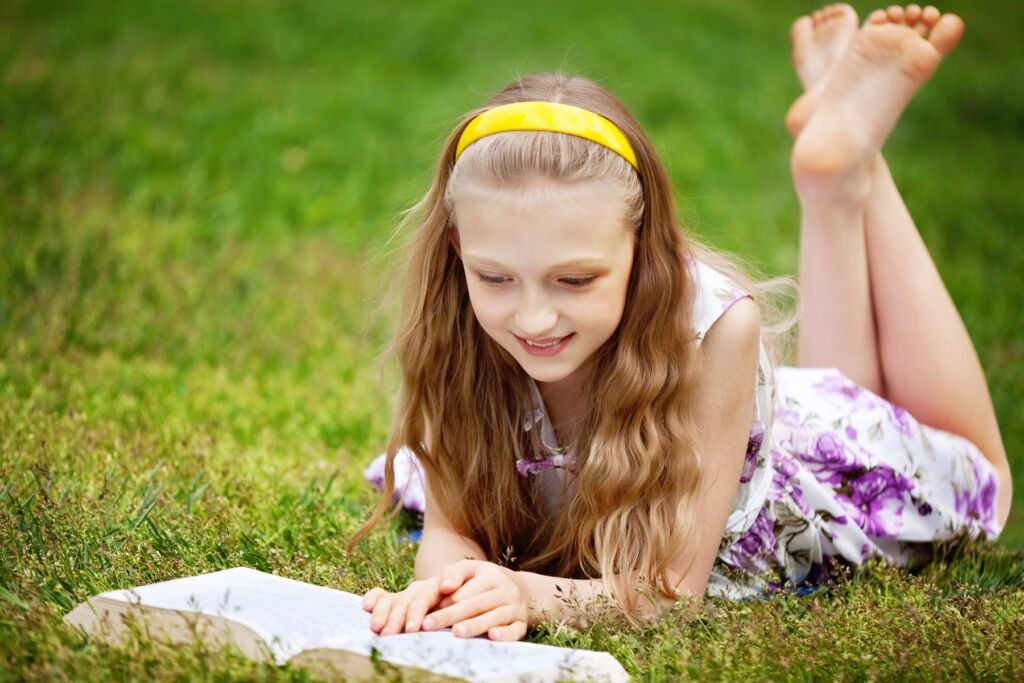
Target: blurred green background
[(197, 201)]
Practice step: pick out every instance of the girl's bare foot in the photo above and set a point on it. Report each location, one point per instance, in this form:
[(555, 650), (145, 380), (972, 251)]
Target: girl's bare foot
[(888, 60), (820, 39)]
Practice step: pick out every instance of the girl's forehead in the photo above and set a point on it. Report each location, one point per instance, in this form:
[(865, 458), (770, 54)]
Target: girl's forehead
[(538, 193), (542, 222)]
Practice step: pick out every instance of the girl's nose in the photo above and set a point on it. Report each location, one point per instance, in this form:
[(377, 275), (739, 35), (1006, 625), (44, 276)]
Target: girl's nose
[(536, 318)]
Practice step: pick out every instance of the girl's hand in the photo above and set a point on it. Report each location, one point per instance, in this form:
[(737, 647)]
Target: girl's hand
[(481, 597), (404, 610)]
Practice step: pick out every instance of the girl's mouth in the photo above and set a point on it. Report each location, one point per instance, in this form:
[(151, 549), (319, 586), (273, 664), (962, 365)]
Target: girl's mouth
[(545, 347)]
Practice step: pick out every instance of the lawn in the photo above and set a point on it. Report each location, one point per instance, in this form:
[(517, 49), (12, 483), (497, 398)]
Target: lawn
[(197, 209)]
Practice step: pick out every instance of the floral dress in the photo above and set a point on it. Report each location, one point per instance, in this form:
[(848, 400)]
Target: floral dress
[(832, 472)]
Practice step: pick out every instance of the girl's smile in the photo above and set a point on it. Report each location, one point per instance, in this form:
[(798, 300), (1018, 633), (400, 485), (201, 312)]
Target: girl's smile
[(547, 266), (544, 347)]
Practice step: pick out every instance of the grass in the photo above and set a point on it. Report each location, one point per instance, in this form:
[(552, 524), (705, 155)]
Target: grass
[(195, 207)]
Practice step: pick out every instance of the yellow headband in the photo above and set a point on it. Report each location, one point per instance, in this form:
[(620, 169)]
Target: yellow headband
[(549, 116)]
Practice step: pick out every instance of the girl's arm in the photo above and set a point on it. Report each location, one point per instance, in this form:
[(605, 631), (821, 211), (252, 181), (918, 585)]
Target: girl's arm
[(730, 353), (440, 546), (492, 599)]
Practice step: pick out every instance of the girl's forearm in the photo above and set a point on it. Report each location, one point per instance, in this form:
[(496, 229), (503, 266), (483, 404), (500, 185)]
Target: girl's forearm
[(572, 600), (440, 547)]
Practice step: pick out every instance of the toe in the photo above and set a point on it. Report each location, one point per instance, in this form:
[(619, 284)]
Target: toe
[(800, 112), (930, 15), (801, 30), (913, 14), (946, 33), (840, 10), (878, 17), (895, 14)]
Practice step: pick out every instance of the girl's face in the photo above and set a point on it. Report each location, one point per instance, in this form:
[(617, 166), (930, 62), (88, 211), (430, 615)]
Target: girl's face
[(547, 266)]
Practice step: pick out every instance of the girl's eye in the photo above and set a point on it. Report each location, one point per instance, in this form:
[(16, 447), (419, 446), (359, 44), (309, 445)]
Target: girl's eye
[(578, 281), (492, 279)]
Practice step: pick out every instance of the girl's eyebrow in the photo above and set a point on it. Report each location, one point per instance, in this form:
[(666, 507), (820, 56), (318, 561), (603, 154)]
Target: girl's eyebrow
[(587, 262)]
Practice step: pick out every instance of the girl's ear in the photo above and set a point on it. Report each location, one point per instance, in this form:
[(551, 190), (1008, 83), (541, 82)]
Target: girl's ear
[(453, 239)]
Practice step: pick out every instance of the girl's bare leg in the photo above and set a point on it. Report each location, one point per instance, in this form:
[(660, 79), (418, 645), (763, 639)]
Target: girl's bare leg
[(928, 362), (838, 318), (874, 303)]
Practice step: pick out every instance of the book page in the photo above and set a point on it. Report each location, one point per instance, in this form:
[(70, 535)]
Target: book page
[(292, 616), (480, 659), (289, 615)]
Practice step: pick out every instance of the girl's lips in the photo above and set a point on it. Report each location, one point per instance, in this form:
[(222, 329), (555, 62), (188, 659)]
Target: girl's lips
[(545, 347)]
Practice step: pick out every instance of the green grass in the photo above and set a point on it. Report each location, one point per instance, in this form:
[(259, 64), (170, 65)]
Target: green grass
[(195, 205)]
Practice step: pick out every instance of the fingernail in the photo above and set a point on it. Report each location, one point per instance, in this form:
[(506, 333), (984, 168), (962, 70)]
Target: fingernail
[(428, 624)]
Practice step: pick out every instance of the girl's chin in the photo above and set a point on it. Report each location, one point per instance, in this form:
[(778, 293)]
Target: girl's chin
[(545, 377), (551, 376)]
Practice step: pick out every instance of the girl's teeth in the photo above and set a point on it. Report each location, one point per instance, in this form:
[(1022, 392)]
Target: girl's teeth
[(543, 346)]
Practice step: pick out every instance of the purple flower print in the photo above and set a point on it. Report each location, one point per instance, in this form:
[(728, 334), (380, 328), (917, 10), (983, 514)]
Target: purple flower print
[(787, 417), (526, 467), (985, 502), (846, 392), (785, 470), (979, 503), (409, 479), (878, 495), (900, 419), (829, 458), (962, 500), (750, 462), (731, 297), (757, 544), (784, 465)]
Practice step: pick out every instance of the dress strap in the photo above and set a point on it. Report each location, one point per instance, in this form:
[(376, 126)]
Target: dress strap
[(715, 294)]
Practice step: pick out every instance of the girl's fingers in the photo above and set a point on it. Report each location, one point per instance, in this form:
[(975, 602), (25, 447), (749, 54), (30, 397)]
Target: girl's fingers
[(418, 608), (404, 611), (475, 586), (371, 597), (396, 617), (381, 611), (514, 631), (483, 623), (455, 575), (463, 610)]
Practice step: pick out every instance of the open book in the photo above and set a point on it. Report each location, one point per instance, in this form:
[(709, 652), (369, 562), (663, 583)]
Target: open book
[(273, 618)]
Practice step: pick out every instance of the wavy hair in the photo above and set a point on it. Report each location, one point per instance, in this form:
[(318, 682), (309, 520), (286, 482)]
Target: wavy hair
[(464, 399)]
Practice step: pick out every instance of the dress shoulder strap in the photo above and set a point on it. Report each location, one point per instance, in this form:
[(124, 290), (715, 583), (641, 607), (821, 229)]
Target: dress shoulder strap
[(715, 293)]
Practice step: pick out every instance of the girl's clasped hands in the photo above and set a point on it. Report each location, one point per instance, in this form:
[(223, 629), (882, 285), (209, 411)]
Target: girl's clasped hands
[(473, 597)]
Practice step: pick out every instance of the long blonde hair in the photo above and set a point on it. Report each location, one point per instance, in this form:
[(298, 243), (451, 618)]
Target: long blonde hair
[(464, 399)]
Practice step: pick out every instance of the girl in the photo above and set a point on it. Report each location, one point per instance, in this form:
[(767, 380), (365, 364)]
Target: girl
[(586, 389)]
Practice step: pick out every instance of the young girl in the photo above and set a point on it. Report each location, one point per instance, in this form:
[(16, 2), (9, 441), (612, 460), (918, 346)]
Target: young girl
[(586, 389)]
